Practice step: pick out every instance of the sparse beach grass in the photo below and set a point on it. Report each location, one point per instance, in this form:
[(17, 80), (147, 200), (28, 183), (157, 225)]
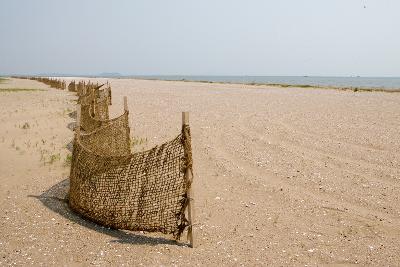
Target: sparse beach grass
[(68, 160), (355, 89), (16, 90), (53, 158), (3, 80), (282, 85), (137, 142)]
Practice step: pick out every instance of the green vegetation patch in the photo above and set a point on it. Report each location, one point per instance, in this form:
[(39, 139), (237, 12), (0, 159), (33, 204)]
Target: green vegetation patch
[(16, 90), (3, 80), (137, 142), (68, 160)]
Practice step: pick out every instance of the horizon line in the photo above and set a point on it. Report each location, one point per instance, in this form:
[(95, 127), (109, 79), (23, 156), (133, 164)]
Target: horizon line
[(116, 74)]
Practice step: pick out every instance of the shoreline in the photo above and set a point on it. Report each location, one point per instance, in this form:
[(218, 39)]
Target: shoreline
[(280, 85)]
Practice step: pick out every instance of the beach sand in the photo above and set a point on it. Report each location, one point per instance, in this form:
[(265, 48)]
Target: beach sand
[(282, 176)]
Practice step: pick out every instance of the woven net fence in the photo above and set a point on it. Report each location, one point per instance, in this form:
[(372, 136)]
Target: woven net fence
[(52, 82), (109, 137), (110, 185), (101, 108)]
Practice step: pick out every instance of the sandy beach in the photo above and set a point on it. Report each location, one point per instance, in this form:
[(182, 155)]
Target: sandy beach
[(282, 176)]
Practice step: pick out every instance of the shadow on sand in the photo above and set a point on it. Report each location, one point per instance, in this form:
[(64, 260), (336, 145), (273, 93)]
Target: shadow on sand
[(72, 114), (55, 199), (70, 145), (71, 126)]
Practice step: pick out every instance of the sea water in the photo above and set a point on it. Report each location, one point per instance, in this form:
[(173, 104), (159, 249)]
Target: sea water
[(362, 82)]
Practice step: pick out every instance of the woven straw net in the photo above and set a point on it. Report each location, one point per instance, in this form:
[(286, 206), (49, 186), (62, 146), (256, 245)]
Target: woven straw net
[(145, 191)]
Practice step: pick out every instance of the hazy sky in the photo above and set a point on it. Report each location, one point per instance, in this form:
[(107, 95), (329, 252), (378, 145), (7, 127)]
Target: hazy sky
[(203, 37)]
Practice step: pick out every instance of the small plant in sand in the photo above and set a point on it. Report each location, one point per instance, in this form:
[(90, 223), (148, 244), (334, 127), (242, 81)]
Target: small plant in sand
[(3, 80), (16, 90), (53, 158), (68, 160), (138, 141), (67, 111), (28, 143), (26, 126), (42, 155)]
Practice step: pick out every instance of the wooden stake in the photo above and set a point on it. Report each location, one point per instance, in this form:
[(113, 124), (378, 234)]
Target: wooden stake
[(128, 129), (125, 103), (78, 121), (189, 176)]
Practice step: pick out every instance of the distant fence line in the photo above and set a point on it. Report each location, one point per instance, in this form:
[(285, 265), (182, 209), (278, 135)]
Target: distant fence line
[(110, 185), (52, 82)]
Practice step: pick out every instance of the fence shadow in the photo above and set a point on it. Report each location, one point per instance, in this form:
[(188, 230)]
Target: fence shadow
[(72, 114), (70, 145), (55, 198), (71, 126)]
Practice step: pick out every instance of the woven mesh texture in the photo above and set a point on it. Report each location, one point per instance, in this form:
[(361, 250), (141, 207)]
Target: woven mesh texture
[(101, 108), (105, 93), (72, 86), (141, 191), (52, 82), (111, 137), (145, 191), (94, 110)]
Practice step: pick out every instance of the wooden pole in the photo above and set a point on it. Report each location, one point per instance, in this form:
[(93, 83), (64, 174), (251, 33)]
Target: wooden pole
[(189, 176), (125, 103), (78, 121), (128, 129)]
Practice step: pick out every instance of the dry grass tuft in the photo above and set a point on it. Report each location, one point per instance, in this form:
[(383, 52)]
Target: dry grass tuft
[(16, 90), (137, 142), (26, 126), (68, 160)]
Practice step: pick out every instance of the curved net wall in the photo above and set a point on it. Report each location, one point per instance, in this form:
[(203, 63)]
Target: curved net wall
[(141, 191), (94, 112), (101, 108), (109, 137), (145, 191)]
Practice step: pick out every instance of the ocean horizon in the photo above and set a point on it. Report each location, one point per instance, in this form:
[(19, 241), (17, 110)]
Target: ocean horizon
[(377, 83), (389, 83)]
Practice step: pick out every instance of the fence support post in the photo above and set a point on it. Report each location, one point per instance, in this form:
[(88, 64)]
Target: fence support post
[(78, 121), (189, 177), (125, 103), (128, 129)]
